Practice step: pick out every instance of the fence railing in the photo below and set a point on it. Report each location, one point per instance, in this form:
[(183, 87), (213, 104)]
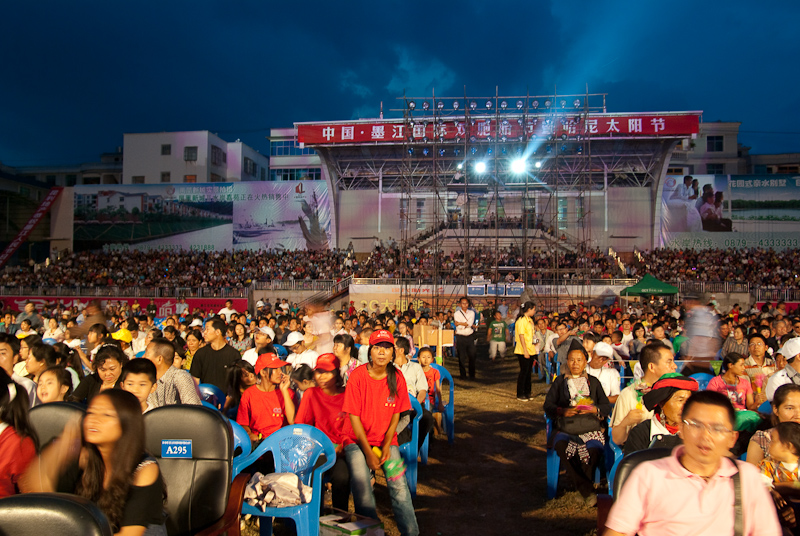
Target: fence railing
[(777, 294), (132, 292), (702, 287), (295, 284)]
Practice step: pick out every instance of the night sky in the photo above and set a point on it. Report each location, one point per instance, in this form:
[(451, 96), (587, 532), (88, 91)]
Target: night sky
[(77, 75)]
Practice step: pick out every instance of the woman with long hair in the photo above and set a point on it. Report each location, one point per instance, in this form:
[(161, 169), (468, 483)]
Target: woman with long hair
[(241, 376), (375, 396), (103, 459), (525, 349), (344, 348), (239, 339), (321, 407), (18, 441)]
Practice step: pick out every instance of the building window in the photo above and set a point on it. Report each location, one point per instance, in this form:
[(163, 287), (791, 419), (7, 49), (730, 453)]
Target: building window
[(137, 179), (50, 179), (190, 178), (562, 213), (714, 144), (785, 170), (72, 180), (190, 154), (216, 178), (675, 171), (165, 176), (250, 167), (263, 173), (166, 149), (96, 180), (296, 174), (217, 156), (288, 148), (420, 214), (715, 169)]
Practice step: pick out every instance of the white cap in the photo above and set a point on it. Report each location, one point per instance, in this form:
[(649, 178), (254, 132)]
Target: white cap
[(259, 303), (266, 330), (293, 338), (604, 349), (791, 348), (196, 323)]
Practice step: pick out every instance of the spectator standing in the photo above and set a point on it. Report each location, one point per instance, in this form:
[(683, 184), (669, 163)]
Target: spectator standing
[(465, 338), (210, 362)]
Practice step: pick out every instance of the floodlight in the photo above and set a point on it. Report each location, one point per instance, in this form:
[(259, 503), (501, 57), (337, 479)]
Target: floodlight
[(425, 105), (412, 105), (577, 103), (473, 105), (480, 167), (503, 105), (538, 164), (535, 104), (518, 165), (520, 105), (440, 105), (488, 104)]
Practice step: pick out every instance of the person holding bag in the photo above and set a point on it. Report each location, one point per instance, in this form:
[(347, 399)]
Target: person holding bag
[(578, 407)]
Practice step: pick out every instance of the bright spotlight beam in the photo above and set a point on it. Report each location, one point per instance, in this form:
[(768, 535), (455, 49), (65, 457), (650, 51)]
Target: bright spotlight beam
[(518, 166), (480, 167), (538, 164)]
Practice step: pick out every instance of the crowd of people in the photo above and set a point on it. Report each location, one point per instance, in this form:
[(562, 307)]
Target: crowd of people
[(764, 268), (295, 365)]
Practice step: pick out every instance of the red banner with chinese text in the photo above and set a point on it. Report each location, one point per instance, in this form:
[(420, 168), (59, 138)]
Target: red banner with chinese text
[(165, 306), (504, 128)]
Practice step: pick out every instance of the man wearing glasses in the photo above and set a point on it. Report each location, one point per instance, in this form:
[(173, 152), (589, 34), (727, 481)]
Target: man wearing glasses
[(698, 489)]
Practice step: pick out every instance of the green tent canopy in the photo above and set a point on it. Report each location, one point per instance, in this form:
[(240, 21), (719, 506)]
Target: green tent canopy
[(650, 286)]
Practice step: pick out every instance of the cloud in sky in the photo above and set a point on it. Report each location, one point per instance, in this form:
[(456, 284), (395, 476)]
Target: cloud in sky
[(77, 76)]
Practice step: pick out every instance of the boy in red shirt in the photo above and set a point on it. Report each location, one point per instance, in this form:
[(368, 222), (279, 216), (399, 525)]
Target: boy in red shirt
[(268, 405)]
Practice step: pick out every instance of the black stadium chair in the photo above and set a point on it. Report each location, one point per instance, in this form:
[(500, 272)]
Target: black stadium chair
[(626, 465), (200, 497), (49, 419), (34, 514)]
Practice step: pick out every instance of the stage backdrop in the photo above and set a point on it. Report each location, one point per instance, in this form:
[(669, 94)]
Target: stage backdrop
[(203, 217), (764, 211)]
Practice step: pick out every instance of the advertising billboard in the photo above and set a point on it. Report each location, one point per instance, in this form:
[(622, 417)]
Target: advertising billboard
[(722, 211)]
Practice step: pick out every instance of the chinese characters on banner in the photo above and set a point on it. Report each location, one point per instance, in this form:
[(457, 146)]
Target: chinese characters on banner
[(166, 306), (510, 128)]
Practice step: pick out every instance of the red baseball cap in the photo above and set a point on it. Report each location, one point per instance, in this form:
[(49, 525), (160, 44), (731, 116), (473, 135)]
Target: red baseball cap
[(327, 362), (268, 361), (381, 335)]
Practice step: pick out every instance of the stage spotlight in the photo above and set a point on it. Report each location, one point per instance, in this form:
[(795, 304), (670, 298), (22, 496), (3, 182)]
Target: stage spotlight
[(425, 106), (473, 105), (549, 149), (518, 150), (580, 149), (535, 104), (577, 103), (460, 165), (440, 105), (425, 151), (455, 105), (520, 105), (564, 137), (411, 150), (441, 152), (563, 148), (538, 164), (480, 167), (489, 151), (456, 151), (518, 166), (503, 150), (473, 150), (503, 105), (563, 104), (412, 105), (503, 139), (547, 103), (488, 105)]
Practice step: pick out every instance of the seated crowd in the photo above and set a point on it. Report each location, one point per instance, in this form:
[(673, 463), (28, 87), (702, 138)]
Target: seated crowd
[(125, 364)]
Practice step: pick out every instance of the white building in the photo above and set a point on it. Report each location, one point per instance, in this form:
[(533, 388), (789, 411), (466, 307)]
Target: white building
[(189, 157), (290, 162), (107, 171)]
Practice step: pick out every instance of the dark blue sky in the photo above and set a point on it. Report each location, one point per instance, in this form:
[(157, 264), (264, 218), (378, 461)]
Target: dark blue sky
[(77, 75)]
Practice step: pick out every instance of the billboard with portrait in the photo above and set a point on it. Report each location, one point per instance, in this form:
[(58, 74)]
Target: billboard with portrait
[(722, 211), (203, 217)]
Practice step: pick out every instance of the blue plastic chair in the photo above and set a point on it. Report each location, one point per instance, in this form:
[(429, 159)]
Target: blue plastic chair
[(295, 449), (613, 456), (139, 354), (410, 450), (282, 351), (212, 394), (542, 357), (554, 463), (423, 450), (449, 408), (209, 405), (702, 379), (765, 407), (49, 341), (240, 440)]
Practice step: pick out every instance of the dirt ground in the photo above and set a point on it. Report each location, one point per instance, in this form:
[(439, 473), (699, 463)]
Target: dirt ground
[(492, 480)]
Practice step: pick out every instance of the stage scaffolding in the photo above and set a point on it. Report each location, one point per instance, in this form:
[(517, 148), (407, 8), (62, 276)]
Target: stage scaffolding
[(531, 197)]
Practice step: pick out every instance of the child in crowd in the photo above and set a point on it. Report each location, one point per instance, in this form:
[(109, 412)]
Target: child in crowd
[(55, 384), (779, 469), (139, 378), (363, 352), (434, 386), (302, 379)]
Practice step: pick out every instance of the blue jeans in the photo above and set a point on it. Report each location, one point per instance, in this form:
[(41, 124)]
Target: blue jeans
[(364, 499)]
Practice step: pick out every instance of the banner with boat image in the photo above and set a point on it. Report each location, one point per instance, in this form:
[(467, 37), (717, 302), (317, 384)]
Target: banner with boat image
[(722, 211), (203, 217)]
